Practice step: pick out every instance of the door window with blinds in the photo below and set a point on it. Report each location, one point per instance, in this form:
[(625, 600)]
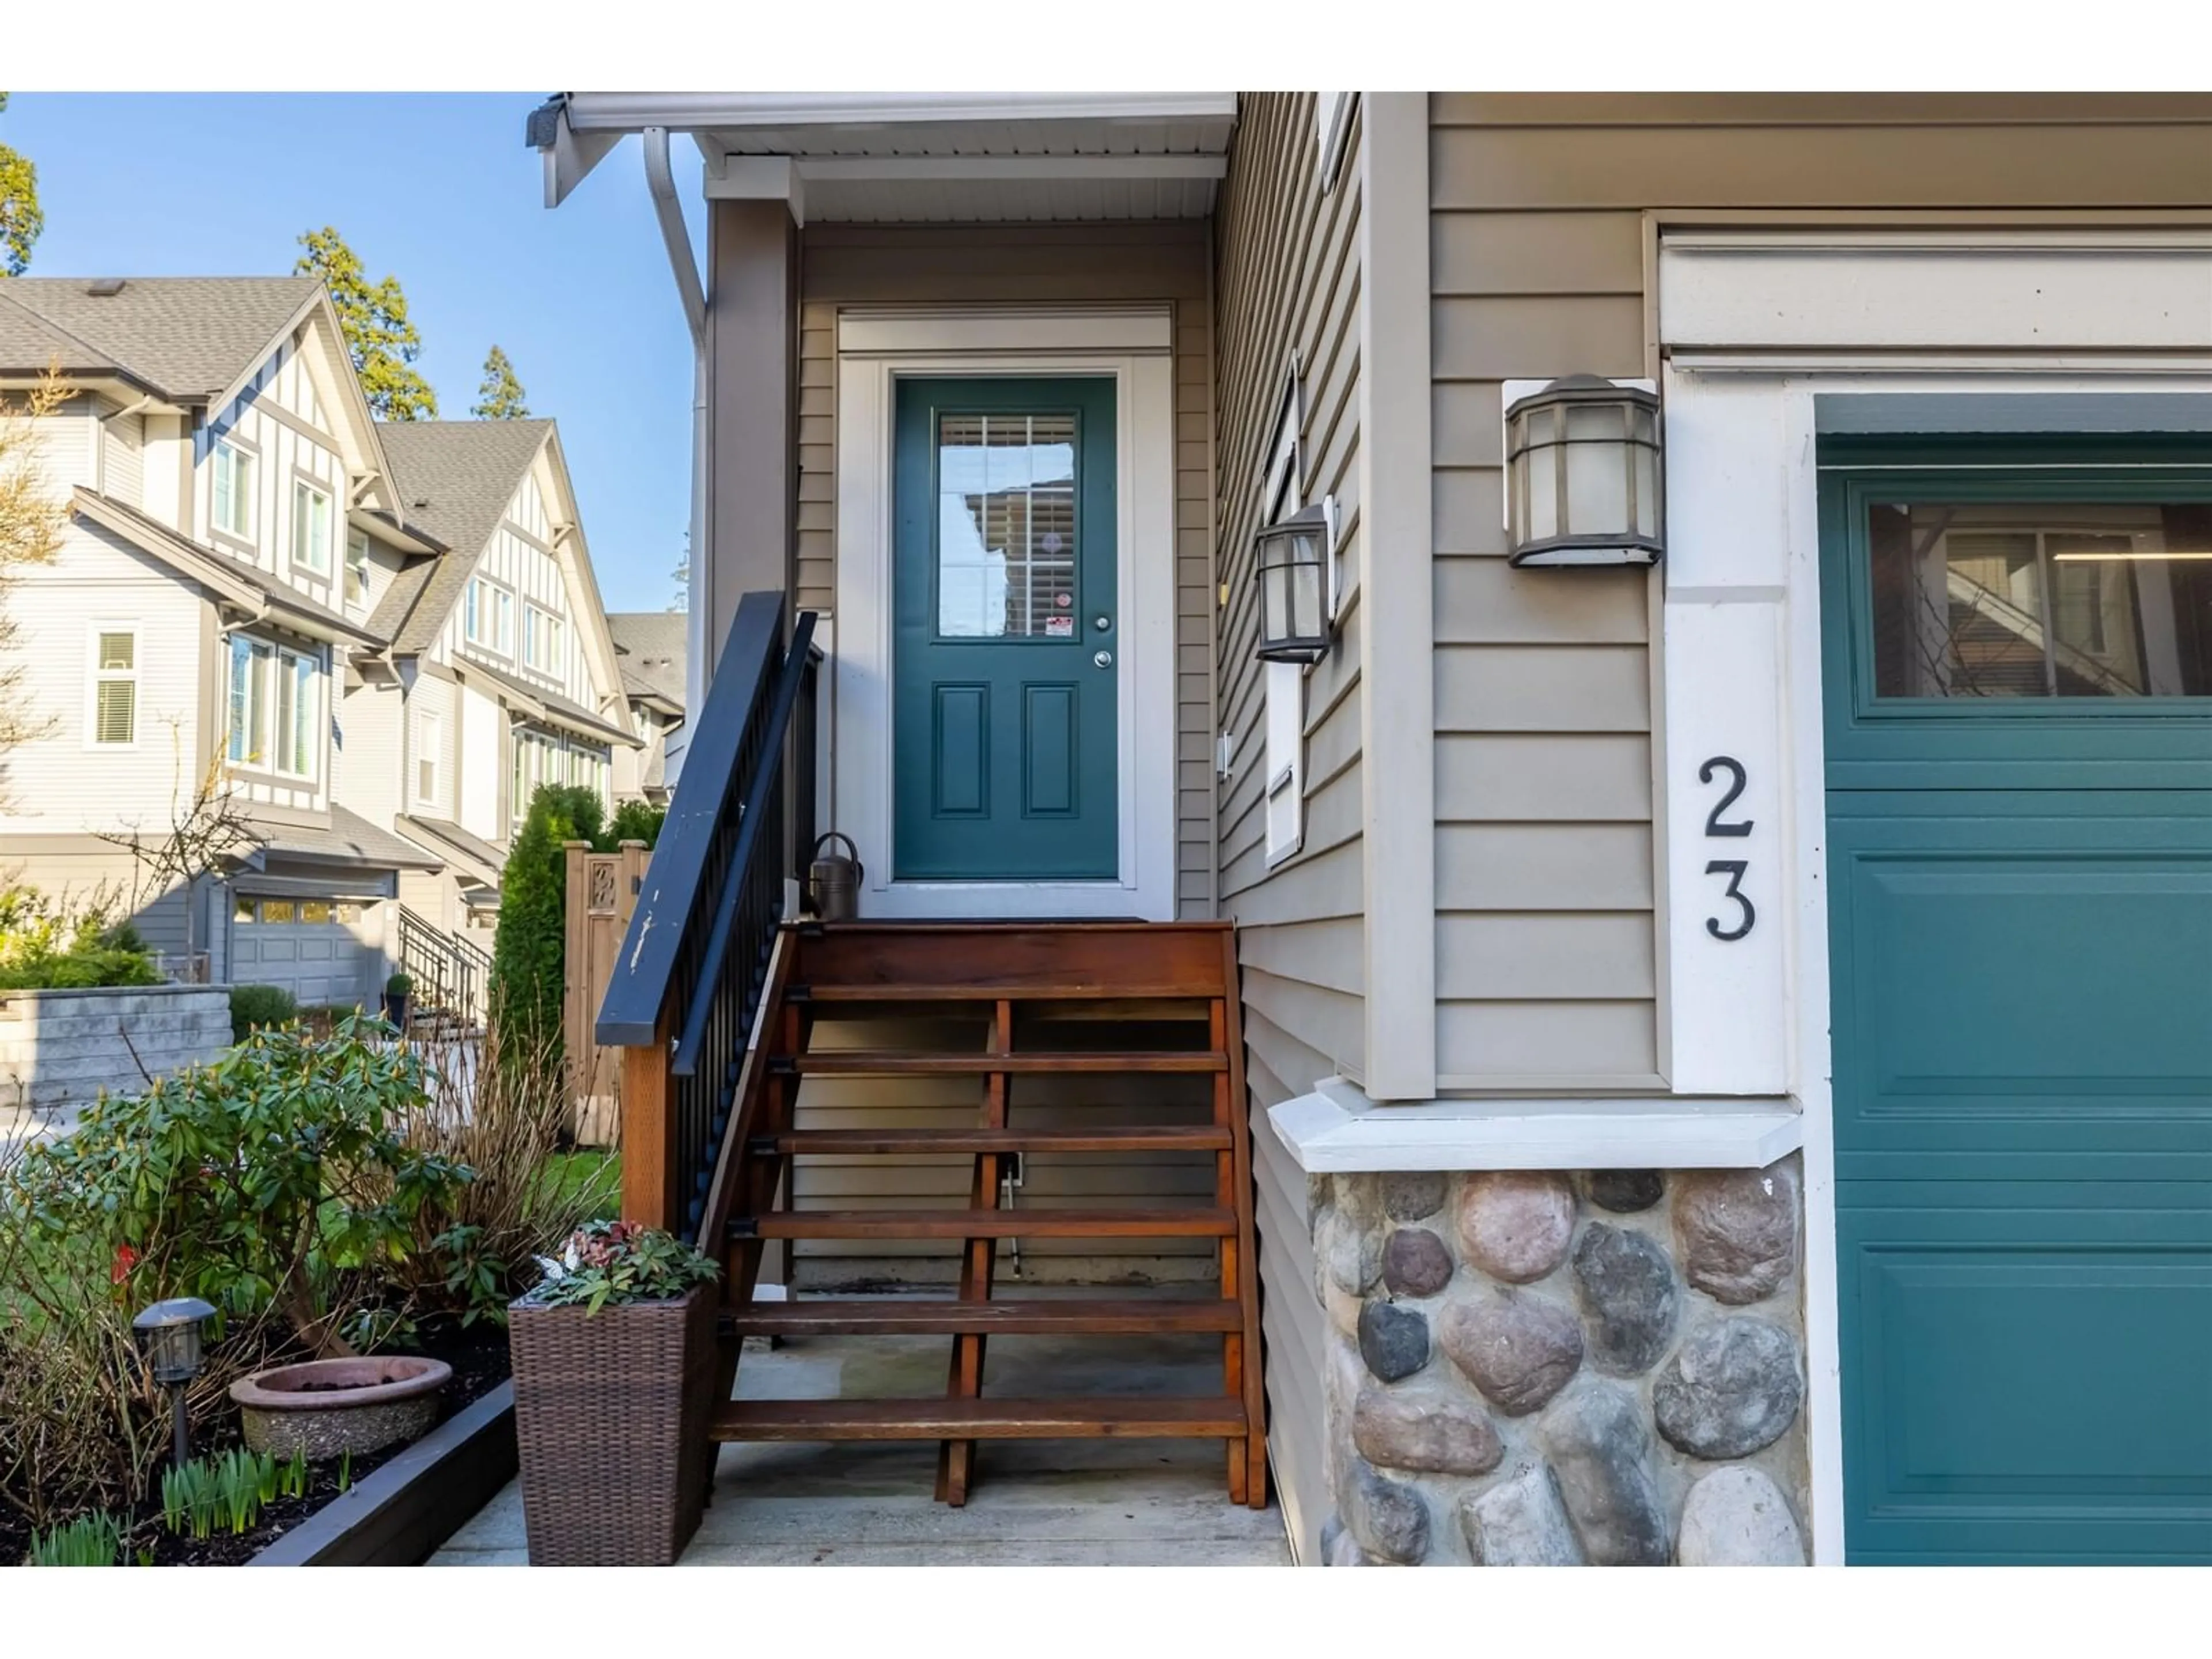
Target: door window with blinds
[(113, 716), (2040, 599), (1006, 545)]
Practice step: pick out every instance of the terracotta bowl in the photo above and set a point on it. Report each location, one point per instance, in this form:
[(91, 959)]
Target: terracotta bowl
[(327, 1407)]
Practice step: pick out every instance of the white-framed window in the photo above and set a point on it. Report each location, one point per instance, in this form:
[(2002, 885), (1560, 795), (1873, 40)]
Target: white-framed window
[(356, 568), (112, 719), (429, 747), (276, 707), (1282, 493), (312, 525), (231, 472), (488, 617), (544, 640)]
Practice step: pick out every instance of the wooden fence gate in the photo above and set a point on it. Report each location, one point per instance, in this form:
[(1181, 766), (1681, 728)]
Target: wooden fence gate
[(602, 892)]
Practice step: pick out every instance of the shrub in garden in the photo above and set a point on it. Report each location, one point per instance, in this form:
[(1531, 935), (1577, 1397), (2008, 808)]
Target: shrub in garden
[(47, 945), (499, 1107), (635, 820), (252, 1006), (526, 958), (276, 1181)]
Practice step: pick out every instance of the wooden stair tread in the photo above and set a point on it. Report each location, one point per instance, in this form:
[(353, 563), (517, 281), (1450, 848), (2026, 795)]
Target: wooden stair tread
[(888, 1062), (871, 1142), (1092, 1417), (1020, 1316), (1183, 1221), (987, 990)]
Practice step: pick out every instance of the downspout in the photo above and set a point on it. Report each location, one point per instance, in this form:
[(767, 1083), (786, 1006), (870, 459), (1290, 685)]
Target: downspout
[(699, 600)]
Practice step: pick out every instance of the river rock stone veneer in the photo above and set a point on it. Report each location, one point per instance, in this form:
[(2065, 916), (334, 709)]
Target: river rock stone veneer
[(1605, 1368)]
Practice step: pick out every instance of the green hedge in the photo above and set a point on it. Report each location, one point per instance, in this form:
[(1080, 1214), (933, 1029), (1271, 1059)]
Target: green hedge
[(252, 1006)]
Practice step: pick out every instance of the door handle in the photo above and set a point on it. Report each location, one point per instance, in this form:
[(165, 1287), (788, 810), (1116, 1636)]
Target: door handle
[(1102, 658)]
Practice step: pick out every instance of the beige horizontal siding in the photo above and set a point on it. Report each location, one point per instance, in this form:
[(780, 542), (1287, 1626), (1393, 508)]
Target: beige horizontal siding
[(1546, 943), (1287, 280)]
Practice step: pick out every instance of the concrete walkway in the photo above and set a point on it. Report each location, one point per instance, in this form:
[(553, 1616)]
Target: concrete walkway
[(1052, 1503)]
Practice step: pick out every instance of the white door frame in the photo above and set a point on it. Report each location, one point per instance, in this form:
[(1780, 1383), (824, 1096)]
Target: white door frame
[(1133, 347), (1771, 338)]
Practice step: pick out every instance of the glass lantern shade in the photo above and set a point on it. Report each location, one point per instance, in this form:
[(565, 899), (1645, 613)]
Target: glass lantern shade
[(170, 1333), (1582, 461), (1292, 568)]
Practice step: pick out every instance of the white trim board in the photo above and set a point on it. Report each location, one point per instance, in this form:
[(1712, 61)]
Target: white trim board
[(1742, 611), (973, 342), (1338, 1129)]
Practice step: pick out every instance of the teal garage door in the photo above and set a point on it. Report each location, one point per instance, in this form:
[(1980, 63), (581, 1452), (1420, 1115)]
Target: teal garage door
[(2019, 728)]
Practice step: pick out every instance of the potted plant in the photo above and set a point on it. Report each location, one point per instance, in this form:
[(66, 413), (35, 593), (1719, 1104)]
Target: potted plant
[(398, 991), (614, 1367)]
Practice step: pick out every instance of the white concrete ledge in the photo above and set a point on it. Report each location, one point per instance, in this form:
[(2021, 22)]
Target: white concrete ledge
[(1338, 1130)]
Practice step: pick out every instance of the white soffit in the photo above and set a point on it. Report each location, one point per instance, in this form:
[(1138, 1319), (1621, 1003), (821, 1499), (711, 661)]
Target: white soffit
[(1338, 1130), (945, 157), (2050, 293)]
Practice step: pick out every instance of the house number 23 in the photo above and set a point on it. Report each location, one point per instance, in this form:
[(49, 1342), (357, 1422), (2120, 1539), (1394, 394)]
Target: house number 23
[(1718, 824)]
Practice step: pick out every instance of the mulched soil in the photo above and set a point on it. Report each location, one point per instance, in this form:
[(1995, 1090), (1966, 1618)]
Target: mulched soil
[(479, 1359)]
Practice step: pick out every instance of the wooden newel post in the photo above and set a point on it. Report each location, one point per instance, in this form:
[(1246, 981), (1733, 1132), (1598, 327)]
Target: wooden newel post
[(648, 1131)]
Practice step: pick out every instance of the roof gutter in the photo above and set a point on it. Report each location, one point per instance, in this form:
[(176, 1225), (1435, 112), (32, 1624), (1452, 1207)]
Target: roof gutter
[(661, 182)]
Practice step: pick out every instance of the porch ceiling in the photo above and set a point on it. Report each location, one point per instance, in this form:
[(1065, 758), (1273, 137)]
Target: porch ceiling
[(931, 158)]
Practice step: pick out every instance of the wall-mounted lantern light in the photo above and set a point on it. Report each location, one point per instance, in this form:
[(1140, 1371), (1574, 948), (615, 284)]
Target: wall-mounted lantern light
[(1295, 563), (171, 1335), (1581, 475)]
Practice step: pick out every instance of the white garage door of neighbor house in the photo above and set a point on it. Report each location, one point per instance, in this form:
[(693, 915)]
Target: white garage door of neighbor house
[(308, 946)]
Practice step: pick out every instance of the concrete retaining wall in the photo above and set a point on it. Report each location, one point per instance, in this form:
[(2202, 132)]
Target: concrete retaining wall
[(58, 1049)]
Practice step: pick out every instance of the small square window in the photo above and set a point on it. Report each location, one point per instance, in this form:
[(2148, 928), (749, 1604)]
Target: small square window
[(347, 914), (315, 910), (241, 910), (276, 912)]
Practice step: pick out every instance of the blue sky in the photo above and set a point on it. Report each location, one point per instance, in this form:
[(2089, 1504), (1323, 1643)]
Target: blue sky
[(438, 190)]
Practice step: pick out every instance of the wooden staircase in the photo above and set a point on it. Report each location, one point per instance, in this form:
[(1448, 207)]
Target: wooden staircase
[(1006, 975)]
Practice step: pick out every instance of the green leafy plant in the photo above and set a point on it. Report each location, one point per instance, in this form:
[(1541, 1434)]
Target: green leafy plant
[(90, 1541), (617, 1263), (253, 1007), (400, 985), (635, 820), (373, 317), (503, 1111), (48, 944), (229, 1491), (532, 942), (191, 1498), (345, 1473), (276, 1181)]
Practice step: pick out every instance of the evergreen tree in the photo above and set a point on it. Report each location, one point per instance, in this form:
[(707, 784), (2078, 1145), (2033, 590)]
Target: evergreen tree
[(500, 398), (532, 945), (374, 315), (21, 219)]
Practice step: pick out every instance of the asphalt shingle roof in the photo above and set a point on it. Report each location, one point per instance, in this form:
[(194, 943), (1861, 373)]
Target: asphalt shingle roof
[(454, 480), (350, 839), (654, 643), (186, 337)]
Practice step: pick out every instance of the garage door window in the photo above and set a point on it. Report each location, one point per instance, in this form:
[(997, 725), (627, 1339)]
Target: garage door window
[(2041, 598)]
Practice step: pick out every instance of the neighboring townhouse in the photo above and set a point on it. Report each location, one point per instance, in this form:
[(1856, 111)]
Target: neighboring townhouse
[(650, 644), (231, 521), (1723, 982), (500, 674)]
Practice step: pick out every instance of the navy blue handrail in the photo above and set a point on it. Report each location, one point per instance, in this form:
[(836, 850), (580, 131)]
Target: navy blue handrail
[(706, 790), (757, 796)]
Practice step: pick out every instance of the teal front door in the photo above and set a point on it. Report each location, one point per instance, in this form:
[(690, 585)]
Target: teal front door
[(2019, 730), (1006, 638)]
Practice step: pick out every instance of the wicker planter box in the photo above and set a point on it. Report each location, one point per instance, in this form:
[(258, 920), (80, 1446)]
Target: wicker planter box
[(611, 1419)]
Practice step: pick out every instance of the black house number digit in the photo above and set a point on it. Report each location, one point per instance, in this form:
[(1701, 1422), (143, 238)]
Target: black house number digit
[(1734, 869)]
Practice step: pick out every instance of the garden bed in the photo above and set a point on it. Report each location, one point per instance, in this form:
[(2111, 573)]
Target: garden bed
[(478, 1355)]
